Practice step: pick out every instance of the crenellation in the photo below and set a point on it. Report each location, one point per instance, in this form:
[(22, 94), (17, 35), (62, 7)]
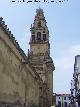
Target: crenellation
[(11, 37), (1, 19)]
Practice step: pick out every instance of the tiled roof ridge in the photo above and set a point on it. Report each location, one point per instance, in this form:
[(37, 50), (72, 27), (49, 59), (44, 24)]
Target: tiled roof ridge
[(12, 38)]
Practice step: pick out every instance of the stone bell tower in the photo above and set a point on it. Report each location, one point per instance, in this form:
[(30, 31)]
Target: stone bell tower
[(39, 55)]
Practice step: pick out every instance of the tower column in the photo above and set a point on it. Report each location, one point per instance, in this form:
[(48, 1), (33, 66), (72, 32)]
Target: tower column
[(39, 57)]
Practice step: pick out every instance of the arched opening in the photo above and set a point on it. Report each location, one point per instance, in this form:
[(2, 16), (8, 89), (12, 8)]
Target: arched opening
[(38, 35), (33, 37), (44, 31), (44, 37)]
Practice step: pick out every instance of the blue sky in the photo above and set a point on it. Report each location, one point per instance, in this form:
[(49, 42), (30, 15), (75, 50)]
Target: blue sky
[(63, 21)]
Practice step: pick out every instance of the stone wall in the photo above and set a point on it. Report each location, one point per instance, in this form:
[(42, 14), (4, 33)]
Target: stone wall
[(18, 83)]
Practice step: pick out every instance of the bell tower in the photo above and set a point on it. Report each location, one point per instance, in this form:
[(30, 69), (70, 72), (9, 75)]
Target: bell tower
[(39, 54), (39, 43)]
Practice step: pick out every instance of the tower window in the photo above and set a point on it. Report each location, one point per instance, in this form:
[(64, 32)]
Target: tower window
[(44, 37), (59, 97), (59, 103), (33, 32), (39, 36), (39, 24), (33, 37), (64, 98), (65, 104), (43, 31)]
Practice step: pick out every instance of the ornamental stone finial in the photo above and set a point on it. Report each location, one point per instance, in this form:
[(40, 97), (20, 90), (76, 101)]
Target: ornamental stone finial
[(5, 26), (3, 23), (1, 19), (39, 11)]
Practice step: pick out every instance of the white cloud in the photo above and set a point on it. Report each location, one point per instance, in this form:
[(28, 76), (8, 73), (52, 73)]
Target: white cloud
[(27, 32), (67, 57), (76, 49), (24, 39), (64, 62), (64, 68)]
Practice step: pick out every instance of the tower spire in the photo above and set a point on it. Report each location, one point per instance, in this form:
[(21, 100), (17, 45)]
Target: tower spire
[(39, 57), (39, 29), (39, 12)]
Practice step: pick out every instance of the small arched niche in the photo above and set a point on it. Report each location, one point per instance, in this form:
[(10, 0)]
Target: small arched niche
[(38, 35)]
